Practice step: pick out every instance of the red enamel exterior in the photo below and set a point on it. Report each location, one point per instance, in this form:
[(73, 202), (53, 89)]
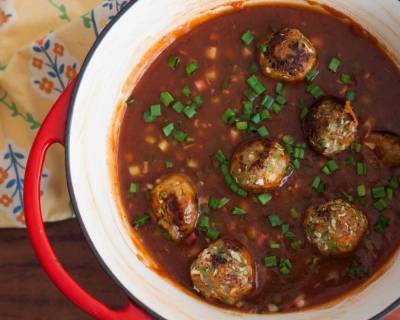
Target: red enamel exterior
[(52, 131)]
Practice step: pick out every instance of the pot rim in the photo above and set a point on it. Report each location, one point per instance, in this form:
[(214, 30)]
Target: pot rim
[(394, 305)]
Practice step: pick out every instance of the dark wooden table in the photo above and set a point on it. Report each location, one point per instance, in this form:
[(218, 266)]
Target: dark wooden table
[(27, 293)]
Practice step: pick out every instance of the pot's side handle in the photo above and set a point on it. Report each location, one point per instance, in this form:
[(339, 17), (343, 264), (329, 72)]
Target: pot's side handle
[(52, 131)]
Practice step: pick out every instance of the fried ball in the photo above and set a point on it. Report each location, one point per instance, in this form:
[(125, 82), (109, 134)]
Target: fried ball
[(331, 125), (223, 271), (386, 147), (175, 205), (335, 227), (259, 165), (287, 55)]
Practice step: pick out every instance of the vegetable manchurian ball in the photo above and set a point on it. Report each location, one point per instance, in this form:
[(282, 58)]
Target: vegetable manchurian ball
[(175, 205), (259, 165), (331, 125), (223, 271), (287, 55), (335, 227), (386, 147)]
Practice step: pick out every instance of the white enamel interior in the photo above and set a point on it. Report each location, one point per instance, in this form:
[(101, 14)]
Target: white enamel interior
[(117, 55)]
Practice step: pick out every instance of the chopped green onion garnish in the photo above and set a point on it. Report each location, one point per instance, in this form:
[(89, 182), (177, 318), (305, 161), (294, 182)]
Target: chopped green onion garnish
[(389, 193), (394, 183), (274, 220), (296, 163), (264, 198), (186, 91), (169, 164), (298, 153), (347, 196), (256, 119), (274, 245), (315, 91), (265, 115), (351, 161), (212, 234), (250, 94), (288, 139), (192, 67), (346, 78), (304, 112), (334, 64), (179, 135), (256, 85), (263, 47), (141, 221), (133, 188), (204, 223), (168, 129), (228, 116), (285, 266), (296, 244), (267, 102), (190, 112), (351, 95), (312, 74), (276, 107), (330, 167), (198, 100), (294, 213), (280, 99), (279, 88), (241, 125), (263, 131), (247, 109), (381, 225), (378, 192), (361, 168), (270, 261), (178, 106), (155, 110), (247, 38), (239, 211), (166, 98), (361, 190), (318, 185), (380, 205), (173, 61), (215, 203), (356, 147), (147, 116)]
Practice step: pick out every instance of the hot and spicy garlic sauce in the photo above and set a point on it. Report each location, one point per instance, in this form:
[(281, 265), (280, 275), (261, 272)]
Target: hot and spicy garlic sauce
[(208, 69)]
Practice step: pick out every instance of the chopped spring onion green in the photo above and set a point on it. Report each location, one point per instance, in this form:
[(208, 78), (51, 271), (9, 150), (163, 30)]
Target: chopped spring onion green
[(186, 91), (304, 112), (250, 95), (280, 99), (263, 131), (198, 99), (285, 266), (179, 135), (279, 88), (351, 161), (288, 139), (298, 153), (381, 225), (169, 164), (247, 38), (378, 192), (361, 168), (204, 223), (356, 147), (263, 47), (318, 185), (294, 213), (347, 196), (168, 129), (147, 116), (247, 109), (267, 102), (330, 167), (242, 125), (334, 64), (389, 193), (274, 245), (190, 111), (361, 190), (315, 91), (192, 67), (238, 212), (215, 203), (256, 85), (228, 116), (296, 244), (394, 183), (166, 98), (133, 188), (380, 205), (256, 119), (141, 221), (173, 61), (270, 262), (276, 107), (265, 115), (264, 198), (346, 79), (155, 110), (312, 74), (178, 106), (351, 95), (213, 234), (296, 163), (274, 220)]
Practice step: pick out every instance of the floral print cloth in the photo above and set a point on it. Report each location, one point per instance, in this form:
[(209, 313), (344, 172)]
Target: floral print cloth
[(42, 46)]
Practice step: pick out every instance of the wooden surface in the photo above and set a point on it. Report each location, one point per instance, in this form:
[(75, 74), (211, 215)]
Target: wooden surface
[(27, 293)]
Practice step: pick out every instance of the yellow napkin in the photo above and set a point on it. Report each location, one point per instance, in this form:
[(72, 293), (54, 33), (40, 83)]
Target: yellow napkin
[(42, 46)]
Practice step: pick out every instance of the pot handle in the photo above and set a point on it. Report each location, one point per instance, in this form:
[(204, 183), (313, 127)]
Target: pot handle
[(52, 131)]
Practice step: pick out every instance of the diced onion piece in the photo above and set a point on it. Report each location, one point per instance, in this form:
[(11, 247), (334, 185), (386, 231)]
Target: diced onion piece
[(191, 163), (234, 135), (150, 140), (300, 301), (246, 52), (215, 100), (273, 308), (211, 75), (200, 85), (134, 171), (163, 145), (145, 167), (211, 53)]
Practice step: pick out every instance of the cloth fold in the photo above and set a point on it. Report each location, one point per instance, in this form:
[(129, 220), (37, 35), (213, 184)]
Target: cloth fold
[(42, 46)]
